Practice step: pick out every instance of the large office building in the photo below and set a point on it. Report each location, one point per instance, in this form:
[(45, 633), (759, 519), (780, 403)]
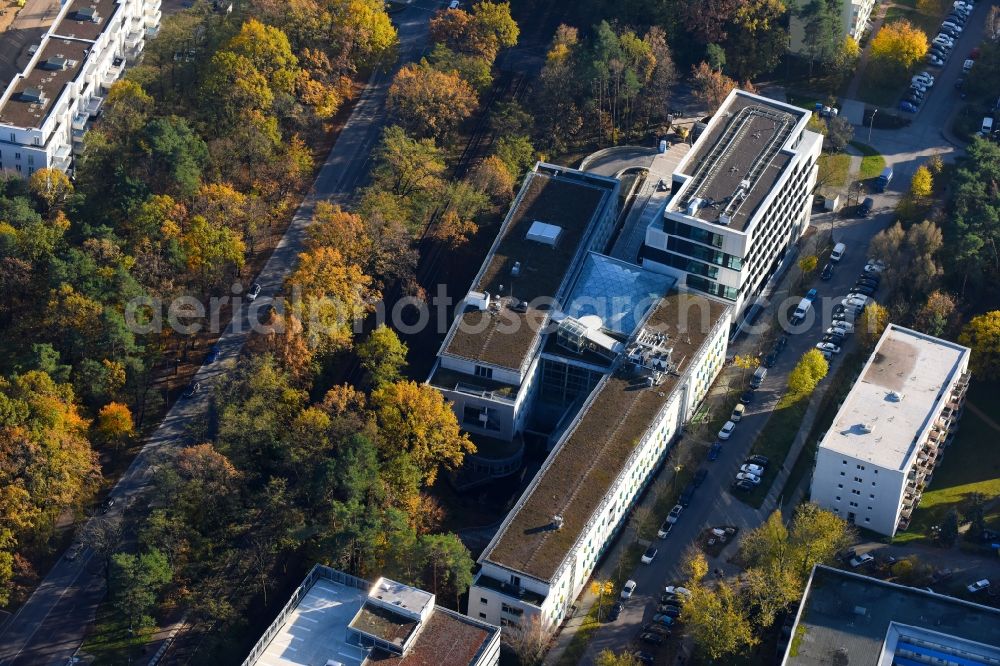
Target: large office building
[(335, 619), (593, 358), (846, 618), (46, 109), (892, 430), (853, 20), (740, 198)]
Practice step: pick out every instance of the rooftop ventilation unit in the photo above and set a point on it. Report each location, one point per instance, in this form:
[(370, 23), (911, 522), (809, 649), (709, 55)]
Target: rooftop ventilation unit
[(894, 396), (515, 270), (31, 95), (725, 220), (85, 14), (865, 428), (557, 522), (694, 205), (544, 233), (54, 63)]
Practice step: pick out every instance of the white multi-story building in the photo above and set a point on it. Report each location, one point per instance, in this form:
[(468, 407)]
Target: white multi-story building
[(46, 109), (739, 199), (892, 430), (854, 18)]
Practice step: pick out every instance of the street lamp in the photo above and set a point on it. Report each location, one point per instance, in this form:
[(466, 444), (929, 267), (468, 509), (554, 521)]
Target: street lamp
[(871, 123)]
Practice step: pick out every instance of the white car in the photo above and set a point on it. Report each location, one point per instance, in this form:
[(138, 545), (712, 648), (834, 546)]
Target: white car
[(727, 430), (876, 266), (856, 301), (648, 556), (674, 514), (944, 39), (863, 558), (845, 326), (678, 590), (828, 347), (839, 330), (954, 27), (750, 468), (745, 476), (978, 585), (628, 589)]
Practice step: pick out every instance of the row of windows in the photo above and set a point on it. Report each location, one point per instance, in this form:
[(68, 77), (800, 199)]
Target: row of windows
[(713, 288), (677, 261), (17, 156), (675, 228), (704, 253)]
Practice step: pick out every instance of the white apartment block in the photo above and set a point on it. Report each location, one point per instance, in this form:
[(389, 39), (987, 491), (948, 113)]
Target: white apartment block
[(46, 109), (739, 199), (854, 18), (892, 430), (548, 546)]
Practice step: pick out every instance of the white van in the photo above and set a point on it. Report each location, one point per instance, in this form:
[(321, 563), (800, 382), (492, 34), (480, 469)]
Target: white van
[(758, 377), (987, 126), (737, 414), (802, 310), (838, 252)]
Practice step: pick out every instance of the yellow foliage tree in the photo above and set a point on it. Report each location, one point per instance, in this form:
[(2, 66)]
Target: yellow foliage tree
[(982, 335), (417, 420), (899, 44), (114, 424), (871, 324), (807, 373), (922, 183), (52, 186)]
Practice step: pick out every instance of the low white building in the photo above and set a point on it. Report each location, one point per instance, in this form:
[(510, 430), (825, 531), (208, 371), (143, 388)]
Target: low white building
[(892, 430), (740, 198), (46, 109), (548, 546), (853, 21)]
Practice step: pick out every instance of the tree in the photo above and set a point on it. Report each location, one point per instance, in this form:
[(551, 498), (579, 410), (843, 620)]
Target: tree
[(982, 335), (416, 419), (935, 314), (210, 251), (897, 46), (922, 183), (484, 31), (517, 154), (949, 528), (429, 102), (808, 264), (757, 38), (839, 132), (334, 294), (136, 581), (717, 621), (911, 269), (601, 588), (871, 324), (448, 563), (807, 373), (609, 658), (234, 89), (492, 177), (822, 31), (528, 641), (745, 362), (383, 355), (52, 187), (710, 87), (715, 56), (364, 32), (973, 224), (114, 424)]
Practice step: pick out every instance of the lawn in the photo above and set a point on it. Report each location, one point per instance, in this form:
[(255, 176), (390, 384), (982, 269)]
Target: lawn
[(834, 169), (971, 464), (872, 162), (875, 90), (108, 640), (774, 441)]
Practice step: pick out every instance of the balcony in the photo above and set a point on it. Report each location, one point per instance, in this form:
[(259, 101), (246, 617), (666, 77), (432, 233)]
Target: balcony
[(133, 40), (93, 107), (151, 6), (152, 18), (152, 31), (80, 122)]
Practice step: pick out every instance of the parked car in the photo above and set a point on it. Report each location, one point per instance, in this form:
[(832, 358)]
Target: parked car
[(651, 638), (835, 335), (756, 470), (926, 77), (828, 347), (664, 619), (769, 359), (727, 430), (649, 555), (854, 301), (743, 485), (615, 611), (738, 412), (686, 495), (700, 476), (907, 107), (665, 529), (678, 590), (867, 282), (645, 658), (657, 628), (827, 272), (858, 560), (668, 610), (863, 290), (675, 513), (915, 101), (628, 590), (714, 451), (74, 551), (746, 476), (108, 503), (978, 585), (781, 342), (746, 397), (845, 326)]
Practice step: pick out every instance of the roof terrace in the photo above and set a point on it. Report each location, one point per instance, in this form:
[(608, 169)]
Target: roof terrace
[(736, 162), (529, 261), (848, 618), (37, 90), (578, 473), (445, 638)]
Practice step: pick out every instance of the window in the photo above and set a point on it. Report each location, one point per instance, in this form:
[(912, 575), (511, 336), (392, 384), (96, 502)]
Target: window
[(12, 139), (31, 170), (31, 159), (869, 508), (840, 485), (482, 615), (858, 479), (17, 156), (853, 503), (855, 492), (837, 498), (868, 520), (484, 372), (484, 601), (18, 167), (861, 467), (871, 496), (843, 473), (844, 462)]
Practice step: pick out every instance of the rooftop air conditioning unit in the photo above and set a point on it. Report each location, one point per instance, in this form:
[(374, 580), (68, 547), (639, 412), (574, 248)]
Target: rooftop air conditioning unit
[(515, 270), (693, 206), (894, 396), (865, 428)]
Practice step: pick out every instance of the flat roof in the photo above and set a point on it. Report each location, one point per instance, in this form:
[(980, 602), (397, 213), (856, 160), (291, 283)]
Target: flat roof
[(47, 77), (316, 630), (86, 19), (737, 160), (846, 618), (567, 199), (445, 638), (894, 398), (584, 465), (384, 624)]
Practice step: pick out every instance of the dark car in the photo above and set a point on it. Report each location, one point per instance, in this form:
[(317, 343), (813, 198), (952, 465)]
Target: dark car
[(644, 658), (108, 503), (699, 477), (192, 390), (213, 354), (743, 485), (870, 275), (867, 282), (656, 628), (686, 495), (827, 272), (770, 359), (653, 639), (867, 291), (669, 611), (759, 460), (959, 82), (865, 207), (746, 397), (714, 451), (670, 598), (615, 611), (781, 342), (839, 309)]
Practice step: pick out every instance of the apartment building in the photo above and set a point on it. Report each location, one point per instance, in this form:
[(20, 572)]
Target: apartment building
[(892, 430), (854, 17), (337, 619), (846, 618), (740, 198), (46, 109)]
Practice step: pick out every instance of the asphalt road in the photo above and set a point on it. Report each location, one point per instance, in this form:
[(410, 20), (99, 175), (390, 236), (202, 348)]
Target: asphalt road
[(51, 625)]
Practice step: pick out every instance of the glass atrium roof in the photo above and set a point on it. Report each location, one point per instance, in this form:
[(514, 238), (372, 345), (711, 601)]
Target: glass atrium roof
[(618, 292)]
